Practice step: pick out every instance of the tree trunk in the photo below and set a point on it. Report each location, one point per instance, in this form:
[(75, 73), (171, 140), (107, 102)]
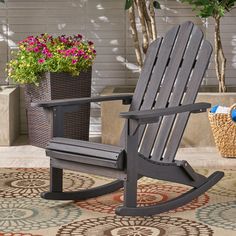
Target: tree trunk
[(135, 36), (145, 42), (220, 59), (148, 21), (153, 20)]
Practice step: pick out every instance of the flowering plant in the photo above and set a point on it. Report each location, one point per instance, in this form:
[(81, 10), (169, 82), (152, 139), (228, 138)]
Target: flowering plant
[(46, 53)]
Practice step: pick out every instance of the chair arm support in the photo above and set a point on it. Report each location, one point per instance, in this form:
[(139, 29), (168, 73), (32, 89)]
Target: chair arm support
[(78, 101), (152, 116)]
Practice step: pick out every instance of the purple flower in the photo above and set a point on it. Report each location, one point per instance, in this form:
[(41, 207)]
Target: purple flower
[(90, 43)]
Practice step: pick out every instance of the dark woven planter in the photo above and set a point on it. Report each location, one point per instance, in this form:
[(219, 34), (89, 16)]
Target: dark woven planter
[(58, 86)]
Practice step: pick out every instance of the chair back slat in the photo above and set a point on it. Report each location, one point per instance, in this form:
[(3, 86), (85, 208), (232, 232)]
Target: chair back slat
[(182, 78), (158, 72), (189, 98), (171, 76), (143, 82), (141, 87), (167, 83)]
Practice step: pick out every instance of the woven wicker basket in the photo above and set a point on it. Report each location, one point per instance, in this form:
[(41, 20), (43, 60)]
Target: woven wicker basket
[(224, 132), (58, 86)]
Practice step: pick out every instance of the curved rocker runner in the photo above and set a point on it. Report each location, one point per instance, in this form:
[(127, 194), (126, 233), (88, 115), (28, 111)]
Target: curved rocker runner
[(159, 111)]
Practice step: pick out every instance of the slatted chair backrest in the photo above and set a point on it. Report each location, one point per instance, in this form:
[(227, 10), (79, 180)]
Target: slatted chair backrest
[(172, 74)]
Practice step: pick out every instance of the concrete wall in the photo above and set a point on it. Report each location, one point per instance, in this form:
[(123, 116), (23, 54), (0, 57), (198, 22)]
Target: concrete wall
[(105, 22)]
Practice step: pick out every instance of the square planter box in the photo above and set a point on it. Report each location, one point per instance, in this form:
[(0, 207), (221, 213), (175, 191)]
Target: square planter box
[(58, 86)]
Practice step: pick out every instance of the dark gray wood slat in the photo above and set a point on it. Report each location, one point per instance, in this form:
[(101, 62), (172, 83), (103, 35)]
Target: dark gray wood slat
[(158, 72), (85, 144), (79, 101), (145, 75), (152, 115), (89, 169), (116, 164), (84, 151), (190, 97), (178, 92), (56, 174), (143, 81), (161, 171), (58, 122), (166, 88)]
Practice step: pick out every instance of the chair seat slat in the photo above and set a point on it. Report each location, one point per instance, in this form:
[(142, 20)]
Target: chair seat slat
[(81, 143), (86, 159), (84, 151)]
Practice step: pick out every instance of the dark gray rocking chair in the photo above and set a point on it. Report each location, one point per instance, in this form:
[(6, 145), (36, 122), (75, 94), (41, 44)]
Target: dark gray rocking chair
[(160, 107)]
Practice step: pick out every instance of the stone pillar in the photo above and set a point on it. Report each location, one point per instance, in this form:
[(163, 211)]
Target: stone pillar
[(9, 115)]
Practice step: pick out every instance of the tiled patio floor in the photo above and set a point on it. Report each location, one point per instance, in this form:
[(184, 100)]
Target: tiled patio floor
[(23, 155)]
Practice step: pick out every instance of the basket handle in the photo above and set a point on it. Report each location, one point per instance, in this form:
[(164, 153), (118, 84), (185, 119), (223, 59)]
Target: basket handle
[(231, 111)]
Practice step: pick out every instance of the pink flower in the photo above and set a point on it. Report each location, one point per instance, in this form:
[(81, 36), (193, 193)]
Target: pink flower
[(81, 52), (45, 50), (74, 61), (36, 49), (49, 54), (79, 36), (41, 60)]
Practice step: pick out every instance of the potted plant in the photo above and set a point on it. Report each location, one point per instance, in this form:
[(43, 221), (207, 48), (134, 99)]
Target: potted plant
[(54, 68)]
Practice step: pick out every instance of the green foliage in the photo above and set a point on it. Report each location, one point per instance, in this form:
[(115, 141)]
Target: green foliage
[(156, 5), (214, 8), (128, 4), (45, 53)]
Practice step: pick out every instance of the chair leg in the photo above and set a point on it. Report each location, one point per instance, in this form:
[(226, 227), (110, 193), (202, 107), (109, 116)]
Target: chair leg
[(130, 185), (56, 179), (130, 191)]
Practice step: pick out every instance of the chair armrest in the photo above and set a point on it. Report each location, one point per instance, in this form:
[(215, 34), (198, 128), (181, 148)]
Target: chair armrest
[(77, 101), (152, 116)]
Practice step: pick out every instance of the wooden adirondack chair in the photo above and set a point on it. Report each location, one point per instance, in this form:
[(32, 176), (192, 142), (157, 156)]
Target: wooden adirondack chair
[(160, 107)]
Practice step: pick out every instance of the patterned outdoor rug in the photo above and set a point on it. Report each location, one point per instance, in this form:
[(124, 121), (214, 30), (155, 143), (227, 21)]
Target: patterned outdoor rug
[(24, 213)]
